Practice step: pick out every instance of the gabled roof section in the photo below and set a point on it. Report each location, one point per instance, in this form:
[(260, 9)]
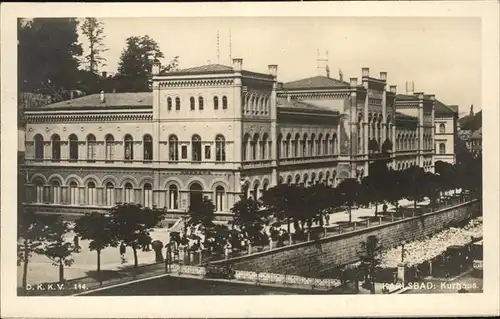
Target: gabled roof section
[(111, 100), (315, 82), (299, 105), (443, 109), (204, 69)]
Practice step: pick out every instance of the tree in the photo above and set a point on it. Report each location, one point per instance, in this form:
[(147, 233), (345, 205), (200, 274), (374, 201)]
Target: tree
[(370, 259), (94, 31), (33, 231), (249, 216), (136, 62), (415, 185), (375, 184), (395, 187), (97, 228), (132, 224), (319, 198), (48, 56), (432, 187), (57, 249), (201, 212), (350, 190)]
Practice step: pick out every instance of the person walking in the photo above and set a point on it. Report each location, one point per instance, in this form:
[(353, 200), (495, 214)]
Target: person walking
[(76, 244), (123, 250)]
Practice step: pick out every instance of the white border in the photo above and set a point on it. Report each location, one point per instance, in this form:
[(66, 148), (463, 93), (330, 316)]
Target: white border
[(255, 306)]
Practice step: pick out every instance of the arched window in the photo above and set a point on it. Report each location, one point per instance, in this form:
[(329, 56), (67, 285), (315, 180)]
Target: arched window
[(220, 148), (319, 149), (280, 180), (326, 144), (334, 144), (195, 194), (263, 147), (442, 148), (173, 196), (148, 195), (296, 145), (200, 103), (244, 147), (304, 146), (311, 145), (255, 145), (289, 180), (73, 147), (192, 103), (327, 178), (110, 194), (280, 140), (56, 147), (219, 198), (91, 147), (38, 147), (56, 192), (73, 193), (287, 145), (148, 147), (216, 103), (224, 103), (297, 179), (196, 148), (255, 191), (110, 147), (129, 148), (91, 194), (173, 148), (442, 128), (177, 104), (264, 187), (128, 193), (305, 179), (39, 191), (169, 103)]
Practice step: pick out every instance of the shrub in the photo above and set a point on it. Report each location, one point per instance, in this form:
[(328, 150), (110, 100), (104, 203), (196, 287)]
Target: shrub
[(219, 272)]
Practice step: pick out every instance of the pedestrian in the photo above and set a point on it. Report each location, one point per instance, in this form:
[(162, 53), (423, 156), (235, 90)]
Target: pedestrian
[(123, 249), (76, 244)]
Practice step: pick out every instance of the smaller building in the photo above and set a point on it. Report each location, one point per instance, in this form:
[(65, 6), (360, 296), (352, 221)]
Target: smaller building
[(445, 136)]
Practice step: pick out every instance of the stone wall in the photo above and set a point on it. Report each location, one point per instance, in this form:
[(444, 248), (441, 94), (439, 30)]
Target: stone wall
[(315, 257)]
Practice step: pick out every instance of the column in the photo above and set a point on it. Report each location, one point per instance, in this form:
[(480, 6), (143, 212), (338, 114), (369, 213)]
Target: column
[(366, 126), (64, 195), (64, 150), (118, 195), (46, 194), (237, 124), (100, 196), (420, 132), (47, 150), (82, 200), (273, 69)]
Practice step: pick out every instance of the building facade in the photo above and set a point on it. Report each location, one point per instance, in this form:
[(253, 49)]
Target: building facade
[(446, 135), (221, 132)]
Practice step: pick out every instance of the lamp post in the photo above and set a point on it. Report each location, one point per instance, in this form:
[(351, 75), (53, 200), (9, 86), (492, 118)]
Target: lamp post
[(403, 251)]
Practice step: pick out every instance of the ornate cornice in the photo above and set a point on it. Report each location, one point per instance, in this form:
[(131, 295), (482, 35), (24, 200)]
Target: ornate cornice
[(196, 83), (316, 95), (78, 118)]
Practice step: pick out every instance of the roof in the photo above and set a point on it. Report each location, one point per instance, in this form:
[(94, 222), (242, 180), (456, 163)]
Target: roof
[(441, 108), (295, 104), (477, 135), (403, 116), (315, 82), (136, 99), (471, 123), (209, 68)]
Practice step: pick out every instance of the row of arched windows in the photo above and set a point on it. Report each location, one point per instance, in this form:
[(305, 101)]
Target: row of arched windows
[(307, 146), (256, 104), (128, 152), (201, 103), (406, 142), (54, 195)]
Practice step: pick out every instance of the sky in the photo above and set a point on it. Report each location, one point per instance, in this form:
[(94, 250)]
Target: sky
[(441, 56)]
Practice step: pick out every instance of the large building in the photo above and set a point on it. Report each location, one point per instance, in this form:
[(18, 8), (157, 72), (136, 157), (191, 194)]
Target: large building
[(221, 132)]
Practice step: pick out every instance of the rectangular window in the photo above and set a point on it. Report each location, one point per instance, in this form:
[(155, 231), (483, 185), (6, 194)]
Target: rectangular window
[(184, 151), (207, 151)]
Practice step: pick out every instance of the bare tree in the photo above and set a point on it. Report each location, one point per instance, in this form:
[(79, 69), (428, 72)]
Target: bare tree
[(94, 31)]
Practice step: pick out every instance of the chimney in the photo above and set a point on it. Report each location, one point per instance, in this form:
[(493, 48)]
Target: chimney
[(353, 82), (365, 72), (341, 75), (393, 89), (410, 88), (156, 67), (273, 69), (237, 64), (102, 97), (383, 76), (104, 74), (327, 69)]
